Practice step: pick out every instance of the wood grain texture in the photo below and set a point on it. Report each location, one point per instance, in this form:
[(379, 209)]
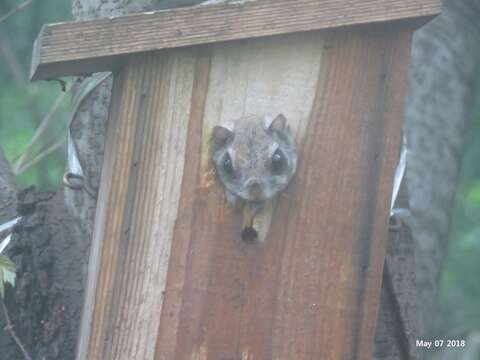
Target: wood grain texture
[(100, 45), (170, 277), (311, 290), (142, 177)]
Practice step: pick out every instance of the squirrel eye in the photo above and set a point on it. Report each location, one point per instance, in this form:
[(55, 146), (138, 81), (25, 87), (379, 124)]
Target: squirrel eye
[(278, 162), (228, 166)]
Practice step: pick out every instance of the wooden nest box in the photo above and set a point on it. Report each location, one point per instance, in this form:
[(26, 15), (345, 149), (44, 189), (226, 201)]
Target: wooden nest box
[(171, 278)]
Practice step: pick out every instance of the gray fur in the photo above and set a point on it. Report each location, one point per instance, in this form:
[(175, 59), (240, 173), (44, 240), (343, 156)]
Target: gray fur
[(250, 142)]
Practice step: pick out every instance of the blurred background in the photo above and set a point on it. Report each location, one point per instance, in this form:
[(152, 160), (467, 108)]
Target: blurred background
[(34, 116)]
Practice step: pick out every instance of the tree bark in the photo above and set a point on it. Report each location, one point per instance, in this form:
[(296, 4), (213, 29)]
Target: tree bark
[(395, 332), (444, 58), (8, 190), (442, 72)]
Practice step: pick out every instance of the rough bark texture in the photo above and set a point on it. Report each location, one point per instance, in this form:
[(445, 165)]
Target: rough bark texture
[(46, 251), (444, 57), (88, 132), (48, 281), (7, 189), (445, 53), (395, 333)]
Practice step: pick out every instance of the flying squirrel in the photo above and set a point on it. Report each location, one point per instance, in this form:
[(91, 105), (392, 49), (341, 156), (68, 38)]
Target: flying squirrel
[(254, 157)]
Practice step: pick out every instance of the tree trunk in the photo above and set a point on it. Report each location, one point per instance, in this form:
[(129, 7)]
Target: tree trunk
[(444, 58), (444, 55)]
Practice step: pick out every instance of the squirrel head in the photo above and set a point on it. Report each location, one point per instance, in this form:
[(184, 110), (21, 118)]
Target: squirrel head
[(254, 157)]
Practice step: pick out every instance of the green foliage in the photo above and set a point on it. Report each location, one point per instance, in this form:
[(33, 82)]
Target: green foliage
[(23, 105), (7, 274), (21, 111), (459, 298)]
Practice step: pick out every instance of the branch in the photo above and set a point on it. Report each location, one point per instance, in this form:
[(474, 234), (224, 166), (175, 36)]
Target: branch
[(8, 187), (11, 60), (15, 10), (9, 328), (39, 132), (40, 157), (5, 205)]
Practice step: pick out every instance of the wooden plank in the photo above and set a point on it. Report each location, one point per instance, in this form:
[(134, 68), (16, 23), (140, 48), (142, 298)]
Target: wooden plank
[(262, 76), (172, 278), (140, 180), (90, 46), (311, 290)]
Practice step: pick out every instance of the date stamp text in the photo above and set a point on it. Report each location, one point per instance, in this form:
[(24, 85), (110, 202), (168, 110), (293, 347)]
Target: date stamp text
[(440, 343)]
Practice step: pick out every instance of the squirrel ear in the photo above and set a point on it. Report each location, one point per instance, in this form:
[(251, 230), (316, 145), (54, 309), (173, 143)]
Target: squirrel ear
[(278, 124), (220, 135)]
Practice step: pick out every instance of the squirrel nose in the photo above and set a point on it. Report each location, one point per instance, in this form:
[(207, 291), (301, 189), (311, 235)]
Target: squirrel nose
[(255, 190)]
